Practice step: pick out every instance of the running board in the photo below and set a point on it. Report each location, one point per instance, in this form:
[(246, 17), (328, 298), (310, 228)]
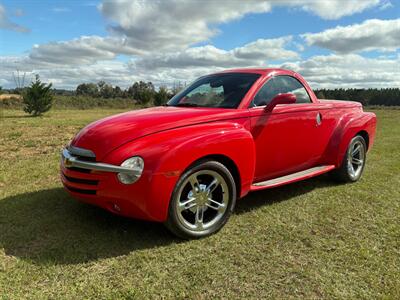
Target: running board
[(291, 178)]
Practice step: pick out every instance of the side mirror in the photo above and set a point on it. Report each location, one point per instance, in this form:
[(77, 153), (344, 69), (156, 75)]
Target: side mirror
[(281, 99)]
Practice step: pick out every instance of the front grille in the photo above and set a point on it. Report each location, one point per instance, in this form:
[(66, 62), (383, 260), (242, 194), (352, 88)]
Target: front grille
[(71, 182), (80, 170), (80, 180), (81, 191), (85, 158)]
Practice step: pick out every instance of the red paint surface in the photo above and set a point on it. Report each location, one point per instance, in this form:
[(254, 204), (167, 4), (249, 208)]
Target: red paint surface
[(262, 145)]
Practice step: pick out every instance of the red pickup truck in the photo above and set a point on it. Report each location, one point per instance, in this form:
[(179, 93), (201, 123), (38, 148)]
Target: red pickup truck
[(225, 135)]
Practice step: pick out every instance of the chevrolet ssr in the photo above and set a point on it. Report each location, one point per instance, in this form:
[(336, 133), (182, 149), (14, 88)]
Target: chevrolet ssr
[(225, 135)]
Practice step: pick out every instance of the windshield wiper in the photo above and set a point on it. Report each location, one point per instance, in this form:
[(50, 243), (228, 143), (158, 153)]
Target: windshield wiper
[(187, 104)]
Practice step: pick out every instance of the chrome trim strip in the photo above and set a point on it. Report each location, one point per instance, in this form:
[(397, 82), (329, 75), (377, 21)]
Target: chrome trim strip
[(292, 176), (71, 161)]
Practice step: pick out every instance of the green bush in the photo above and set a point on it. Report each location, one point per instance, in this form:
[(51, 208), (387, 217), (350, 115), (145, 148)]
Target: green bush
[(37, 98), (142, 92), (161, 97)]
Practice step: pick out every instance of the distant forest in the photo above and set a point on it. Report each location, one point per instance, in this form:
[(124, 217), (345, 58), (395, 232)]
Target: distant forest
[(145, 93), (387, 97)]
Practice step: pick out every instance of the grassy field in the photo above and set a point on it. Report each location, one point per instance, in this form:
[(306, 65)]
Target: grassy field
[(313, 239)]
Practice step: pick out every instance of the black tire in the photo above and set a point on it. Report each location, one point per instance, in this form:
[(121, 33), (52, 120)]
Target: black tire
[(177, 224), (344, 172)]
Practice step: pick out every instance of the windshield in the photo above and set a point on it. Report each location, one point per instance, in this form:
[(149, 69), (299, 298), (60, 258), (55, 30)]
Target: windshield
[(219, 90)]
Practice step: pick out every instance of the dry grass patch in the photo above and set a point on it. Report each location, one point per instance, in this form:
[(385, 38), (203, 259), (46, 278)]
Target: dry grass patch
[(10, 96)]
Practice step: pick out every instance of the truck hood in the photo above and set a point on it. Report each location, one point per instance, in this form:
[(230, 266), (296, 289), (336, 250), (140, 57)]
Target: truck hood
[(107, 134)]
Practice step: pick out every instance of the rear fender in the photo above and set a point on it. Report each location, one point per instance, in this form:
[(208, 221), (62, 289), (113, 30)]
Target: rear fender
[(349, 126)]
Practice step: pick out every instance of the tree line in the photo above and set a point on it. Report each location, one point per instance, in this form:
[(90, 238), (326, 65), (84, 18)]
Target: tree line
[(145, 93), (386, 97), (142, 92)]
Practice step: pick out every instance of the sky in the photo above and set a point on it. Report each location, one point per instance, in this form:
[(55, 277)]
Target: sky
[(332, 43)]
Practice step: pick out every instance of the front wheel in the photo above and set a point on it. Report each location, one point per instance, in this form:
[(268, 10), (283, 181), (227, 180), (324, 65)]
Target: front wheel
[(353, 162), (202, 201)]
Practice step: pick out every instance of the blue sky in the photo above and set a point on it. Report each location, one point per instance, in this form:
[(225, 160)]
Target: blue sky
[(50, 21), (284, 21), (68, 42)]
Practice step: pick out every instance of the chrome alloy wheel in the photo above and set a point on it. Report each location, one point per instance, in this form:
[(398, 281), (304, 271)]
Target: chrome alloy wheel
[(203, 200), (356, 159)]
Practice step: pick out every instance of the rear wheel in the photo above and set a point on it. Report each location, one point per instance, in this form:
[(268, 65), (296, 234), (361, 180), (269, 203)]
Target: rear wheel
[(353, 162), (202, 201)]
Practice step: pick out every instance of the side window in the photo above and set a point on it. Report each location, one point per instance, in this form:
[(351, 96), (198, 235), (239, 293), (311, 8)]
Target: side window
[(279, 85), (266, 93), (292, 85)]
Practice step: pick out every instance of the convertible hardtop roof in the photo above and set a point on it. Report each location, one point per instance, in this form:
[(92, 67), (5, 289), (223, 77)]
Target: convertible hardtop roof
[(262, 71)]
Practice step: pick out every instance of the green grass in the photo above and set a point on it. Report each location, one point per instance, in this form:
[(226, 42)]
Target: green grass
[(76, 102), (313, 239)]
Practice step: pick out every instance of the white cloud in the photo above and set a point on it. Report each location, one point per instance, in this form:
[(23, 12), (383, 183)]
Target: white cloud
[(171, 25), (330, 71), (84, 50), (252, 54), (334, 9), (87, 57), (266, 49), (370, 35), (69, 77), (113, 72), (6, 23), (385, 5), (175, 24), (89, 49), (348, 71)]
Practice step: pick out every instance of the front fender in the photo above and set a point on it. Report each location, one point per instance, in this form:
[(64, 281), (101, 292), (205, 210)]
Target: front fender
[(230, 140), (169, 153)]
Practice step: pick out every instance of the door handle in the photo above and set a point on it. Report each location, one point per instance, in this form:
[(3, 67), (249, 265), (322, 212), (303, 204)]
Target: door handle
[(319, 119)]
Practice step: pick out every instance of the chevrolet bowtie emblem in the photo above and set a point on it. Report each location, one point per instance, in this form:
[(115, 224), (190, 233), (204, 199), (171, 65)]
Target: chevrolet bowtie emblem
[(67, 162)]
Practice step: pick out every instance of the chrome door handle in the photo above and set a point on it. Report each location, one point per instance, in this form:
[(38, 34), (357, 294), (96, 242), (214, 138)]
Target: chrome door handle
[(319, 119)]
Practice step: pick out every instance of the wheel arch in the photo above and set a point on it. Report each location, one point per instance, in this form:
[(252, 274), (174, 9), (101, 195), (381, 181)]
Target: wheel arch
[(349, 126), (364, 134), (356, 124), (228, 162)]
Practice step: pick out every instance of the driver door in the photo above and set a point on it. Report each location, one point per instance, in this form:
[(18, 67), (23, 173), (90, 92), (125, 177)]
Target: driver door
[(283, 137)]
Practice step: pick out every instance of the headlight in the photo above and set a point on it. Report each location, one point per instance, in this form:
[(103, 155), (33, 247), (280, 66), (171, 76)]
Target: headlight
[(135, 163)]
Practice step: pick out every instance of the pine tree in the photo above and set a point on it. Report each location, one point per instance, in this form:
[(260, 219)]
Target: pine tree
[(38, 97)]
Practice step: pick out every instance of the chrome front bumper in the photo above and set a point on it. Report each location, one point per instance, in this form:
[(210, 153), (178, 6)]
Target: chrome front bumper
[(69, 160)]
